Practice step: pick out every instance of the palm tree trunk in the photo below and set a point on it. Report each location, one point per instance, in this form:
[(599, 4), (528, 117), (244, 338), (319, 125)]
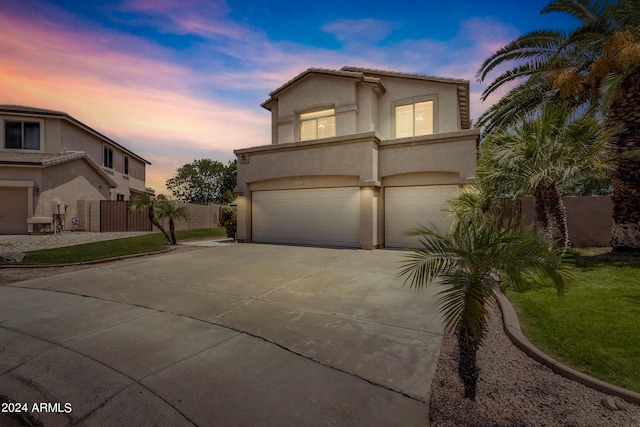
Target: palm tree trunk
[(551, 208), (541, 219), (468, 363), (625, 172), (155, 222), (172, 228)]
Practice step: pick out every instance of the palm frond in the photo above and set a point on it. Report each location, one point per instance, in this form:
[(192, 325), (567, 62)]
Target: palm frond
[(612, 83), (541, 45), (586, 11)]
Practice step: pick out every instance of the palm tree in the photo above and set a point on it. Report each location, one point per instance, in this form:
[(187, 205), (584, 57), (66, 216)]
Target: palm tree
[(464, 259), (538, 155), (140, 203), (597, 64), (173, 212)]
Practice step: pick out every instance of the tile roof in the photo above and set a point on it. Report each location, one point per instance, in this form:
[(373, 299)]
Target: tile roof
[(403, 75), (32, 111), (372, 76), (50, 159), (340, 73)]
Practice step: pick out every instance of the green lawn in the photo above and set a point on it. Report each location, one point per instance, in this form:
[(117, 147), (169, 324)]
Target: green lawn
[(595, 327), (112, 248)]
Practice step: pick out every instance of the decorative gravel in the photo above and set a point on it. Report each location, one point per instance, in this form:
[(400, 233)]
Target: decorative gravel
[(515, 390), (27, 243)]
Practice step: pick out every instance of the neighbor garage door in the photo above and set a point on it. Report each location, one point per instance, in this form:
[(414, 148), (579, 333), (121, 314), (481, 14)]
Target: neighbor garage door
[(409, 207), (14, 210), (323, 216)]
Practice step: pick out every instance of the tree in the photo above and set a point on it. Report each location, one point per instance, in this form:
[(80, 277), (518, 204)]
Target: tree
[(169, 209), (478, 244), (538, 155), (204, 181), (597, 64), (150, 203)]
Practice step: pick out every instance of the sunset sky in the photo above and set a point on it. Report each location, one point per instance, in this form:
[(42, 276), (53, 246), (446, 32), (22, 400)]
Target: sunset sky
[(176, 81)]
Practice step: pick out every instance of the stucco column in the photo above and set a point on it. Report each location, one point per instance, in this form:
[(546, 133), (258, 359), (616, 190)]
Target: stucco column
[(369, 199), (243, 233)]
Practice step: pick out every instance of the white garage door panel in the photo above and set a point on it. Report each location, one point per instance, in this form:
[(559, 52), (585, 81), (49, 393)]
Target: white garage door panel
[(409, 207), (14, 210), (326, 216)]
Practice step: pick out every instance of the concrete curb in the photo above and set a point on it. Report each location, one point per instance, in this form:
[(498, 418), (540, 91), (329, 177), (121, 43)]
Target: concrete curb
[(512, 328), (97, 261)]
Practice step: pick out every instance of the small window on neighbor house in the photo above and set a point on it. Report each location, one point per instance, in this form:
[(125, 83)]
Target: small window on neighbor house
[(126, 165), (120, 197), (414, 119), (108, 157), (318, 124), (22, 135)]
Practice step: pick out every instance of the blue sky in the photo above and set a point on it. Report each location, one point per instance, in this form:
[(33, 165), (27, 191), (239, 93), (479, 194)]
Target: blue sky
[(181, 80)]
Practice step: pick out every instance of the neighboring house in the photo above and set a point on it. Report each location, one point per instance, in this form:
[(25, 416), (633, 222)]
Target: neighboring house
[(50, 161), (358, 156)]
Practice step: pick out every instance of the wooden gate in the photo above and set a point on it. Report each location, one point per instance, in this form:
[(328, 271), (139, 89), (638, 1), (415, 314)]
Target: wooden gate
[(116, 216)]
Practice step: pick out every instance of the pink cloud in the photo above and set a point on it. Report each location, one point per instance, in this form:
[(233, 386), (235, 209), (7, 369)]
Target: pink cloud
[(125, 96), (143, 96)]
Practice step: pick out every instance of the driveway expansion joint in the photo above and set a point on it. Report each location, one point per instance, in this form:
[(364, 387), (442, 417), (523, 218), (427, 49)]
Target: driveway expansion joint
[(133, 380), (235, 329)]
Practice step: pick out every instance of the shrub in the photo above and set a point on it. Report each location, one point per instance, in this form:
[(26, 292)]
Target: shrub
[(229, 219)]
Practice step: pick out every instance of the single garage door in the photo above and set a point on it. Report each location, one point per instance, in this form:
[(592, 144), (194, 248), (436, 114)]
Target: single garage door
[(14, 210), (409, 207), (322, 217)]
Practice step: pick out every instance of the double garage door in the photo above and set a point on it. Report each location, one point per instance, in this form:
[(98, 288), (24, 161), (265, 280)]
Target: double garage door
[(323, 216), (331, 216), (14, 210)]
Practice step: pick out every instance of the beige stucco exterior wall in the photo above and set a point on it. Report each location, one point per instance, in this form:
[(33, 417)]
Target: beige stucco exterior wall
[(75, 139), (450, 152), (359, 107), (334, 156), (363, 160), (364, 153), (316, 92), (399, 91), (66, 182)]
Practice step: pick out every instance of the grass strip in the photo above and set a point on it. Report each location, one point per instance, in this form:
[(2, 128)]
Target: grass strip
[(595, 327), (112, 248)]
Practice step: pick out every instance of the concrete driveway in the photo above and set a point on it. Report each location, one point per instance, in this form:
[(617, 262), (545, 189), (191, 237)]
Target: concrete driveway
[(224, 336)]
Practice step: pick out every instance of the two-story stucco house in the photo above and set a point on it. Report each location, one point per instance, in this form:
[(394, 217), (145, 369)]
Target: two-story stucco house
[(358, 156), (49, 161)]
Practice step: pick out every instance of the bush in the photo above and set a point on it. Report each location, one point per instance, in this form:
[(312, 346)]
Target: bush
[(229, 219)]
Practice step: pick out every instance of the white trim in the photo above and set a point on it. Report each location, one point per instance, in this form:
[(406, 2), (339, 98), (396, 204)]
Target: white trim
[(9, 183)]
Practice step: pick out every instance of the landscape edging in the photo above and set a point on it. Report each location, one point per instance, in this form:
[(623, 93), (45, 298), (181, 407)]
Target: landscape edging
[(97, 261), (513, 331)]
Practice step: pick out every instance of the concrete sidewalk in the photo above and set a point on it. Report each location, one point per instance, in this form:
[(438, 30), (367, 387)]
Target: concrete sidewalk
[(230, 335)]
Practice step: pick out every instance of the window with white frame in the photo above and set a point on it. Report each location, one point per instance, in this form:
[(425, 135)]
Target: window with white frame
[(414, 119), (108, 157), (318, 124), (22, 135)]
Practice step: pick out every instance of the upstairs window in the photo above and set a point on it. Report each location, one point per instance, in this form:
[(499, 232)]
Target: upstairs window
[(318, 124), (414, 119), (108, 157), (22, 135), (126, 165)]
